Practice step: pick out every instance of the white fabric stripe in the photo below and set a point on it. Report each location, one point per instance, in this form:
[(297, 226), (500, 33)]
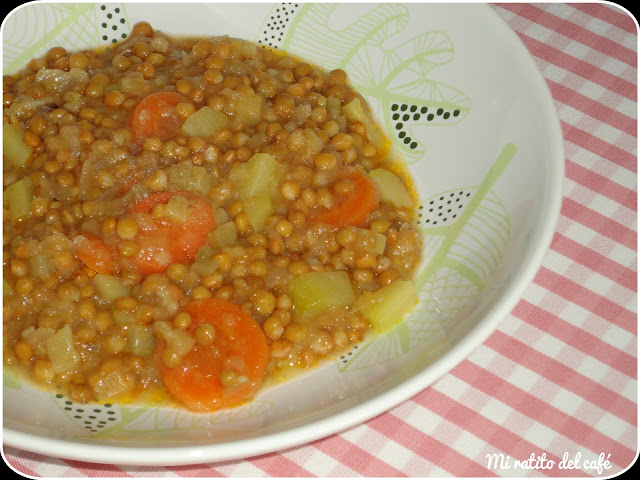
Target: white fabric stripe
[(605, 246), (607, 133), (382, 447), (601, 204), (570, 357), (321, 464), (448, 433), (394, 454), (593, 281), (604, 167), (240, 469), (579, 317)]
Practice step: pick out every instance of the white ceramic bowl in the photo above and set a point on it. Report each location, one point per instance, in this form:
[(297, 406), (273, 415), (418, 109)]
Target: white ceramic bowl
[(484, 146)]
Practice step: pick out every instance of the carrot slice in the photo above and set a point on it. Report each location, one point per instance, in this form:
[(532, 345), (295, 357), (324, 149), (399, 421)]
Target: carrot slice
[(155, 116), (162, 242), (97, 255), (356, 207), (240, 345)]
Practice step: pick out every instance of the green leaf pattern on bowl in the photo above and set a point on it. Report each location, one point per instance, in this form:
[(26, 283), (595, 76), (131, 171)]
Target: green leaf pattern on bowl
[(393, 73)]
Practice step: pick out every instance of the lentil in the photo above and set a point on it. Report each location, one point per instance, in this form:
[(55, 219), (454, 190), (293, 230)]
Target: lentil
[(92, 173)]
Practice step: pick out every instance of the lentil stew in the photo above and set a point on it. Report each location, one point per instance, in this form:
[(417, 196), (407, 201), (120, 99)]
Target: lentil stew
[(187, 219)]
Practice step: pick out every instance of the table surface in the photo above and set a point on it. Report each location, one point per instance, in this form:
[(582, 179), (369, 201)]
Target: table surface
[(553, 392)]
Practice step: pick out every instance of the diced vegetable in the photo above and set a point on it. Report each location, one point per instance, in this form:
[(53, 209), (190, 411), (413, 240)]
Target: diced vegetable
[(248, 108), (41, 266), (134, 84), (235, 251), (371, 241), (334, 106), (109, 286), (224, 235), (74, 101), (205, 266), (354, 112), (221, 216), (177, 339), (205, 252), (61, 351), (123, 318), (246, 49), (6, 288), (14, 149), (177, 209), (316, 292), (20, 195), (111, 380), (260, 174), (391, 188), (189, 178), (168, 301), (140, 340), (205, 122), (305, 143), (258, 208), (387, 306), (301, 113), (60, 81), (37, 338)]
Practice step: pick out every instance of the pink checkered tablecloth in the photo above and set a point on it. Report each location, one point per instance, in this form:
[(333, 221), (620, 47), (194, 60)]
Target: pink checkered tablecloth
[(553, 392)]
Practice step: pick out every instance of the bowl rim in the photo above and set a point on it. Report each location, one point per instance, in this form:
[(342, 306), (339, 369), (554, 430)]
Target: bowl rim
[(356, 415)]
